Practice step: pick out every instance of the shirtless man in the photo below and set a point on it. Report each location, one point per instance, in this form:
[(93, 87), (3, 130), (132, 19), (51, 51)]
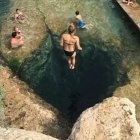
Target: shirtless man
[(19, 17), (79, 21), (16, 41), (68, 42)]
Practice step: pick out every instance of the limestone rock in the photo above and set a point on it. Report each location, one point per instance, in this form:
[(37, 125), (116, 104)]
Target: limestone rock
[(114, 119), (25, 110), (18, 134)]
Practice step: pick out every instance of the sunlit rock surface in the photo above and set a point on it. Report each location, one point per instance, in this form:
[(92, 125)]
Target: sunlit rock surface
[(18, 134), (24, 109), (114, 119)]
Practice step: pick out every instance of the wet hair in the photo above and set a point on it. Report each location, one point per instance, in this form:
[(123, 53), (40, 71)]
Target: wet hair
[(17, 10), (14, 34), (77, 12), (71, 29)]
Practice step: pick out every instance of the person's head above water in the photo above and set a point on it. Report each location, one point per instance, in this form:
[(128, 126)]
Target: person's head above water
[(77, 12), (71, 28), (17, 10), (14, 34)]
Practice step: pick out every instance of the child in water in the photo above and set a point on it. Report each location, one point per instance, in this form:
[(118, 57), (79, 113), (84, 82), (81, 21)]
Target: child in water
[(79, 21)]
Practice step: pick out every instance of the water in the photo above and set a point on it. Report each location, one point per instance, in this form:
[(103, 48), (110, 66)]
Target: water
[(4, 9), (98, 69)]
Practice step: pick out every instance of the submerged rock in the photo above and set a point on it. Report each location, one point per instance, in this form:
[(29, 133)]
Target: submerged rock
[(132, 89), (114, 119)]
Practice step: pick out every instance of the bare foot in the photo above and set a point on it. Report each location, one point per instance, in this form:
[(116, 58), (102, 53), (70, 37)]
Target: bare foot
[(72, 67)]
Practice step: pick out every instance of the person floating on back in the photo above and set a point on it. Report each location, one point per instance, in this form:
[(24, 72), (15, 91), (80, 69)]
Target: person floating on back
[(16, 41), (19, 16), (79, 21), (68, 41)]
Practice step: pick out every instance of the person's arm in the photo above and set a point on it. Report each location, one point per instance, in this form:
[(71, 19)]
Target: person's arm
[(78, 44), (62, 40), (15, 17), (21, 14)]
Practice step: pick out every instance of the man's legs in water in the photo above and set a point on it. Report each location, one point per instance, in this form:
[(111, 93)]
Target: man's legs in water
[(69, 62), (73, 60)]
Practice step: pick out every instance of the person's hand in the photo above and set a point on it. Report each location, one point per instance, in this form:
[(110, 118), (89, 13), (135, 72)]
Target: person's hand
[(80, 49)]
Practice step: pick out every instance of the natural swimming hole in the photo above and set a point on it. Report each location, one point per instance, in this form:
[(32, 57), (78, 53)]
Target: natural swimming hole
[(99, 67)]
